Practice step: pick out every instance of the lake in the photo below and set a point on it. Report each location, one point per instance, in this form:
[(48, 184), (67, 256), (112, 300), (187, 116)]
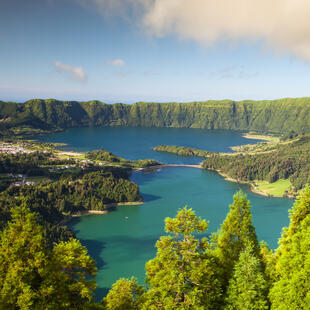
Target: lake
[(122, 241), (136, 143)]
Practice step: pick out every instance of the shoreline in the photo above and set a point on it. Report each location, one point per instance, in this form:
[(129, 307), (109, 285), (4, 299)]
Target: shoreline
[(108, 206), (252, 187), (260, 137)]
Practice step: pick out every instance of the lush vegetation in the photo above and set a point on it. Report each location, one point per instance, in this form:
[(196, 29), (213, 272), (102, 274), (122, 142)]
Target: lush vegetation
[(229, 270), (34, 275), (181, 150), (43, 266), (108, 157), (55, 187), (37, 116), (288, 160), (56, 201), (91, 191)]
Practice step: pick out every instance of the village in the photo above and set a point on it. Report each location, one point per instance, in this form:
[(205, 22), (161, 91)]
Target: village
[(77, 160)]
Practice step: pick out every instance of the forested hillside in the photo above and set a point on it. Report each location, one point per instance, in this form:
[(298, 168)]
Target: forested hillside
[(290, 160), (275, 116)]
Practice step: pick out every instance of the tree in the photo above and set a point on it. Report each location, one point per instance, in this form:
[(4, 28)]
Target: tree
[(183, 275), (297, 214), (24, 262), (291, 289), (236, 232), (268, 259), (247, 289), (32, 276), (73, 270), (125, 295)]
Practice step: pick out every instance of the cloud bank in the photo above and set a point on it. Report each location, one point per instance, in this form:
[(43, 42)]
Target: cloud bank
[(115, 62), (281, 24), (76, 73)]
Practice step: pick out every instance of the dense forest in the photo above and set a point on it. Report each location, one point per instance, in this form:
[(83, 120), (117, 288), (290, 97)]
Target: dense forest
[(290, 160), (64, 187), (181, 150), (228, 270), (56, 201), (273, 116), (108, 157)]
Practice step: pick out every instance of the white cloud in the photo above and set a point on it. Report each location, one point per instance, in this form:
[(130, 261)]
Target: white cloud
[(115, 62), (281, 24), (76, 73)]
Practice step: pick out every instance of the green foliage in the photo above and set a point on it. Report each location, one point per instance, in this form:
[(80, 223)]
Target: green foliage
[(276, 116), (289, 135), (23, 262), (74, 284), (125, 295), (236, 233), (291, 289), (181, 150), (283, 161), (232, 271), (92, 191), (269, 260), (247, 289), (103, 155), (25, 163), (56, 200), (183, 273), (32, 276), (108, 157)]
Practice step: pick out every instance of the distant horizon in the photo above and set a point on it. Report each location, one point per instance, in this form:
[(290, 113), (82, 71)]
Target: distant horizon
[(149, 101)]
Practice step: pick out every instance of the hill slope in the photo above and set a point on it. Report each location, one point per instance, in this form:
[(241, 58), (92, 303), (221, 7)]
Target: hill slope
[(276, 116)]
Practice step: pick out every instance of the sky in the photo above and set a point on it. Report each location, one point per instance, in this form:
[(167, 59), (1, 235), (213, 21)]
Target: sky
[(154, 50)]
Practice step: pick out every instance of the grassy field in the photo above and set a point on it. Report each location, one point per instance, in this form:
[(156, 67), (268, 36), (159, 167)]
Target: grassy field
[(277, 188)]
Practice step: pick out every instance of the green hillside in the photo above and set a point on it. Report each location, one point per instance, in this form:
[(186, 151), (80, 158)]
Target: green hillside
[(272, 116)]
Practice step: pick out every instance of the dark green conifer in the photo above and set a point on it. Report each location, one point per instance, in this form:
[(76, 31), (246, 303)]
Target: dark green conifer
[(248, 288), (237, 231), (291, 289)]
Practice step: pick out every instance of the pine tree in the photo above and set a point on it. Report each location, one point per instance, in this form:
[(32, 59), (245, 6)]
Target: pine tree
[(236, 232), (24, 262), (291, 289), (73, 270), (268, 259), (247, 289), (125, 295), (183, 275), (32, 276)]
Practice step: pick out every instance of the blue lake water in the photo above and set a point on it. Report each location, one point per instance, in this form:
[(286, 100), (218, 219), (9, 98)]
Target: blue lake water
[(124, 240), (136, 143)]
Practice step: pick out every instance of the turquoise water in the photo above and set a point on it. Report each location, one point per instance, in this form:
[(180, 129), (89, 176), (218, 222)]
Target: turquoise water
[(122, 241), (136, 143)]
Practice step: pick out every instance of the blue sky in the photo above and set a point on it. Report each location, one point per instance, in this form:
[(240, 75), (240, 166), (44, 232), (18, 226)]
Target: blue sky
[(126, 51)]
